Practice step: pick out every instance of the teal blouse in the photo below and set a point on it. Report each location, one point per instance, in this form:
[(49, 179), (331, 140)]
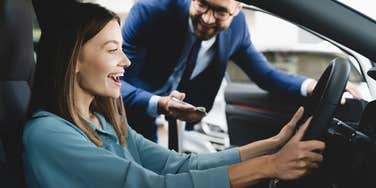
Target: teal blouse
[(58, 154)]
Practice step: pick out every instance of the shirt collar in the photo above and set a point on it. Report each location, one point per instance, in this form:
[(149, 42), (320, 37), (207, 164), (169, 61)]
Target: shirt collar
[(106, 129)]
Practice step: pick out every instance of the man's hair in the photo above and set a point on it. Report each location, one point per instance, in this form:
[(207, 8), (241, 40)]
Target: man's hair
[(58, 52)]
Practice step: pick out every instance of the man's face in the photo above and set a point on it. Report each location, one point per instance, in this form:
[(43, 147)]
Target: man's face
[(209, 17)]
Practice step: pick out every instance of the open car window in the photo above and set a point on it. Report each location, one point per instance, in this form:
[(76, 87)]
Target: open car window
[(363, 7), (289, 48)]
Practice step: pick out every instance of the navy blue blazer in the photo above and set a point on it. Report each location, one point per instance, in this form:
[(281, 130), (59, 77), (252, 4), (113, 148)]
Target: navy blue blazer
[(154, 34)]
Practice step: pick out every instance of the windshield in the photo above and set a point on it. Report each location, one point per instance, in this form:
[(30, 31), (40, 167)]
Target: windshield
[(366, 7)]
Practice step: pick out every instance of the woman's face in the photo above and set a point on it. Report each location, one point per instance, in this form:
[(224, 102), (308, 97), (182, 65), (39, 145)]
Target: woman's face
[(101, 63)]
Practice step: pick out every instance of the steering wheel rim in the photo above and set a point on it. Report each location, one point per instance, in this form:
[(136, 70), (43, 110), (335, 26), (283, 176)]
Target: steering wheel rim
[(325, 98), (322, 105)]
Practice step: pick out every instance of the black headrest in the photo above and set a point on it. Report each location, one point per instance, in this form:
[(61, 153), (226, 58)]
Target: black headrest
[(16, 47)]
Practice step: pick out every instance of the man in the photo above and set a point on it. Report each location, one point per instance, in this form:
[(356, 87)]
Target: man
[(185, 45)]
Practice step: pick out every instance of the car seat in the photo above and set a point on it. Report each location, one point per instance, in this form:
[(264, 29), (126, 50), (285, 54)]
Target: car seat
[(16, 69)]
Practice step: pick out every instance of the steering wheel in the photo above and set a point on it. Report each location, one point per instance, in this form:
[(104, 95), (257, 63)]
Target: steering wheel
[(325, 98), (322, 105)]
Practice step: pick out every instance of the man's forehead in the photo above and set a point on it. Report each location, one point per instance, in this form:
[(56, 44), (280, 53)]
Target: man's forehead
[(221, 3)]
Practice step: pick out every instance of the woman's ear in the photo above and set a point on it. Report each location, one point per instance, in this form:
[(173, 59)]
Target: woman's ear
[(78, 63), (77, 67)]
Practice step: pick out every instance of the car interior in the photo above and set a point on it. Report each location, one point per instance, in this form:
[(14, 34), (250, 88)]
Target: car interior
[(348, 130), (16, 69)]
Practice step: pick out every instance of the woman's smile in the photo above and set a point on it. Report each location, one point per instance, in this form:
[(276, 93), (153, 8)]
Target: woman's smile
[(115, 78)]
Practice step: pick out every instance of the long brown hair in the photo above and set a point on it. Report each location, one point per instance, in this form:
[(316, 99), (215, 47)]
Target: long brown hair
[(58, 53)]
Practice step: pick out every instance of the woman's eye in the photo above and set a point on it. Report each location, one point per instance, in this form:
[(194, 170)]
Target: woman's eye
[(113, 50)]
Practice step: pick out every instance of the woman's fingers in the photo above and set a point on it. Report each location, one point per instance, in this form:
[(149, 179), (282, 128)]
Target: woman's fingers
[(312, 157), (313, 145), (298, 114), (300, 133)]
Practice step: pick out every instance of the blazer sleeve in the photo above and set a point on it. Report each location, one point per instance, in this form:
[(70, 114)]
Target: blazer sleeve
[(58, 155), (135, 33), (166, 161), (255, 65), (134, 97)]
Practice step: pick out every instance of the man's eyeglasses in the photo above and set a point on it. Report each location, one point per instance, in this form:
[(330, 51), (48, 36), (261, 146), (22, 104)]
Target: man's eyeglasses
[(220, 14)]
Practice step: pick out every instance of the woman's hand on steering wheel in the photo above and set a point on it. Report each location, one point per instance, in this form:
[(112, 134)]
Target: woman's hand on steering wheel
[(297, 158)]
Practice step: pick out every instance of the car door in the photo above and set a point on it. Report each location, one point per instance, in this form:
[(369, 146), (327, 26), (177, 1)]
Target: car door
[(252, 113)]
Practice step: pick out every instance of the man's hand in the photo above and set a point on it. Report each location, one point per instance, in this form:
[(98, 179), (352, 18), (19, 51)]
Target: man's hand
[(350, 87), (174, 106)]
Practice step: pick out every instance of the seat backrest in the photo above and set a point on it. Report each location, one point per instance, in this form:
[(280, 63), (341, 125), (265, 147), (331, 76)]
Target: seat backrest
[(16, 69)]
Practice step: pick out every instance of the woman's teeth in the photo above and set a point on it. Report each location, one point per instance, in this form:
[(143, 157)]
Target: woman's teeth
[(116, 77)]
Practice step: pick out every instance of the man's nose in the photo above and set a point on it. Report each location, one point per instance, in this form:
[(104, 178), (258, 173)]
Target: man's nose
[(208, 17)]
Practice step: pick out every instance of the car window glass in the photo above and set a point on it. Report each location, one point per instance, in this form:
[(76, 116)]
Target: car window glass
[(289, 48), (367, 8)]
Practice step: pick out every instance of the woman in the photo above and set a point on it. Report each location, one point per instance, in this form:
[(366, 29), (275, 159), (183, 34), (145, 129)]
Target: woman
[(78, 136)]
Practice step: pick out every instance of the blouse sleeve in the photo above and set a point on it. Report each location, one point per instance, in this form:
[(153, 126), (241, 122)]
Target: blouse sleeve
[(163, 161), (57, 155)]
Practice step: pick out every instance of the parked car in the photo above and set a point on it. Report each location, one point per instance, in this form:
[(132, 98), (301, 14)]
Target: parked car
[(253, 114), (304, 58), (249, 113), (211, 133), (348, 130)]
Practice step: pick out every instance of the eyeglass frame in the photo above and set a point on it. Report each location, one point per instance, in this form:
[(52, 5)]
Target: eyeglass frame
[(214, 9)]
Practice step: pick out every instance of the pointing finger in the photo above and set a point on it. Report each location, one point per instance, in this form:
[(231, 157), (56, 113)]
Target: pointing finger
[(299, 135)]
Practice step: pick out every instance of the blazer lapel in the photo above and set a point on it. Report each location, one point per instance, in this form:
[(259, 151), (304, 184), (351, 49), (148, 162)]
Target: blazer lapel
[(189, 39), (223, 47)]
